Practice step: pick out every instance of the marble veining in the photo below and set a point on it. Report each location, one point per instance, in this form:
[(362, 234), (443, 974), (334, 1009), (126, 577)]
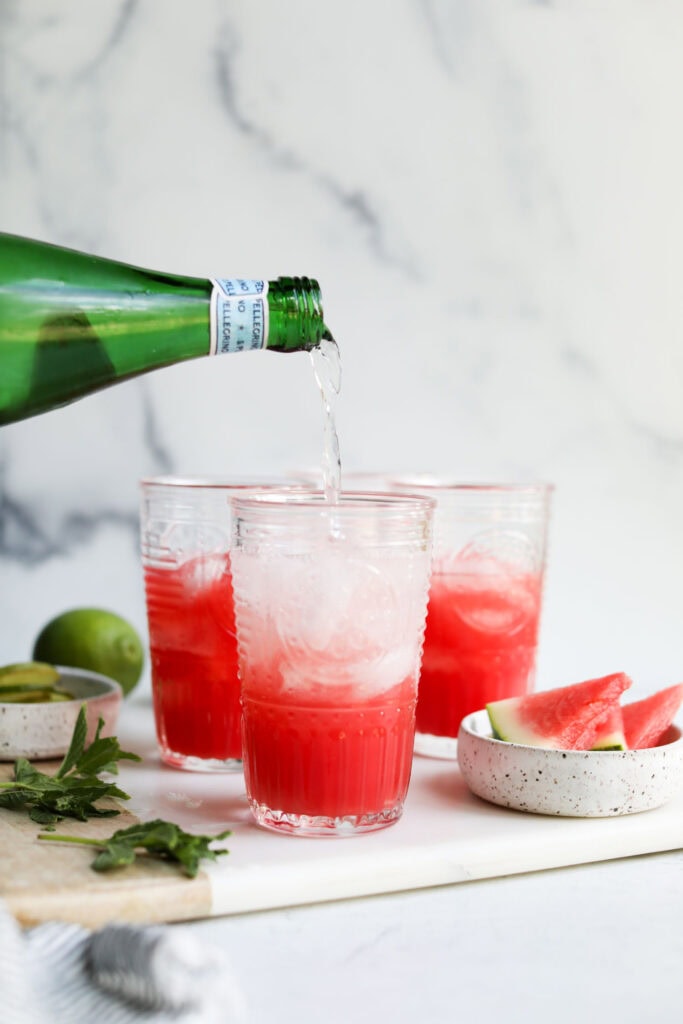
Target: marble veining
[(489, 194), (355, 202)]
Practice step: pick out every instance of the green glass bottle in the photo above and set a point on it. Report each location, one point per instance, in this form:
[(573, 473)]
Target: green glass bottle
[(71, 323)]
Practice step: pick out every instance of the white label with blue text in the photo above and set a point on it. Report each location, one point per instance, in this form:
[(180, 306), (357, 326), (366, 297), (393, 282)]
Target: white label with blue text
[(239, 315)]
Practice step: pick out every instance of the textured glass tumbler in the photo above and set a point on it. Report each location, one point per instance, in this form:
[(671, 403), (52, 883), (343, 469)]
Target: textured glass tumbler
[(330, 604), (484, 602), (186, 529)]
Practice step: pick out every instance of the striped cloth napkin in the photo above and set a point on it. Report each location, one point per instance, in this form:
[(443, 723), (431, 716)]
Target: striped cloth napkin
[(61, 973)]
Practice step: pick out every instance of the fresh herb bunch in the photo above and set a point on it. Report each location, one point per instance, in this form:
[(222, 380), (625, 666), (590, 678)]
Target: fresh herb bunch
[(159, 839), (72, 791)]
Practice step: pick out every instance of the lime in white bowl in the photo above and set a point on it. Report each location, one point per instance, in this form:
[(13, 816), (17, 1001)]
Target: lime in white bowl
[(41, 731)]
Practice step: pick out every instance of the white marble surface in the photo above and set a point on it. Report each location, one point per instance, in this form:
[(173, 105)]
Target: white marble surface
[(565, 945), (489, 193)]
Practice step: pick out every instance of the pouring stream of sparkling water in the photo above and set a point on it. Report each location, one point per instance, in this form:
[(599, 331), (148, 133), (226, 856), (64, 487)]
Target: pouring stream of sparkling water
[(327, 370)]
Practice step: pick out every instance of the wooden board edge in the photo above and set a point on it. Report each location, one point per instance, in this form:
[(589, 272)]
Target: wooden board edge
[(160, 901)]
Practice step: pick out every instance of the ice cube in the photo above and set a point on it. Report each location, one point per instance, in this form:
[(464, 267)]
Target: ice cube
[(495, 604), (333, 616), (203, 571)]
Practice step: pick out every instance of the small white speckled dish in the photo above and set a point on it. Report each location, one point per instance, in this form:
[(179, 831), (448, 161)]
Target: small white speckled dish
[(43, 731), (569, 783)]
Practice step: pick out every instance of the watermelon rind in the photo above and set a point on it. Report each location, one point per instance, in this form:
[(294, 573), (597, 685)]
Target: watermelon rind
[(610, 734), (613, 742), (564, 718), (504, 719)]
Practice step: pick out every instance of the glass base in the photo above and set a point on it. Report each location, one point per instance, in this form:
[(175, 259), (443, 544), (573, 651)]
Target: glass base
[(189, 763), (320, 826), (428, 745)]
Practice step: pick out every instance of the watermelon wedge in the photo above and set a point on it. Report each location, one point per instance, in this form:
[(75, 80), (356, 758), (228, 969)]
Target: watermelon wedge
[(646, 721), (610, 734), (566, 718)]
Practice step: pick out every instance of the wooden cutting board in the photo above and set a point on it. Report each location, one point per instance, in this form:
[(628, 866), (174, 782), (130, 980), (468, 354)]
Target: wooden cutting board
[(446, 836), (46, 881)]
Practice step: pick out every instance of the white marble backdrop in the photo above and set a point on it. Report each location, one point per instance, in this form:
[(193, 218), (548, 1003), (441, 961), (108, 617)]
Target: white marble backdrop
[(489, 192)]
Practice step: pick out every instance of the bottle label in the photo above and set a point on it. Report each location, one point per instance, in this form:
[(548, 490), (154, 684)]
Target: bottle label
[(239, 315)]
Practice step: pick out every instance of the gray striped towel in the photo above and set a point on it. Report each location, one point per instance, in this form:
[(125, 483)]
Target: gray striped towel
[(122, 974)]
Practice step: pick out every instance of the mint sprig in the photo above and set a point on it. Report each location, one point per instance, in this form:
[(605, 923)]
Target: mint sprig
[(75, 788), (160, 839)]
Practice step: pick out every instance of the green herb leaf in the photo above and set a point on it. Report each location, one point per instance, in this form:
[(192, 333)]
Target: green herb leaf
[(75, 789), (114, 855), (24, 771), (77, 745), (42, 817), (160, 839), (102, 756)]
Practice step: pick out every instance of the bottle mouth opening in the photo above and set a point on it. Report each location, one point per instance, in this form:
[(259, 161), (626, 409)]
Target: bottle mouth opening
[(296, 307)]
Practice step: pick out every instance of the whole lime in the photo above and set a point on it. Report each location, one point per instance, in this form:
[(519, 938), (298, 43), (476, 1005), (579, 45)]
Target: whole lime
[(94, 639)]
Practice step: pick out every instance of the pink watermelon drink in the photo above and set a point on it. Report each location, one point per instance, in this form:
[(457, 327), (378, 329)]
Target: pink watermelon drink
[(325, 750), (193, 651), (330, 608), (484, 601), (186, 528), (480, 645)]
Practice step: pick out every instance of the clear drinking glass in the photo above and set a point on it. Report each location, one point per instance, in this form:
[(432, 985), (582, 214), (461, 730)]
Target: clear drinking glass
[(484, 601), (186, 529), (330, 604)]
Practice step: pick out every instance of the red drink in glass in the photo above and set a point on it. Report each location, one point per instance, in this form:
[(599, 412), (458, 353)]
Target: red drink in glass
[(480, 645), (195, 687), (484, 605), (186, 534), (330, 602), (326, 752)]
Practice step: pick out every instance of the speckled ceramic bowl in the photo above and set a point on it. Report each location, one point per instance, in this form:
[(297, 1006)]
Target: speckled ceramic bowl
[(570, 783), (43, 731)]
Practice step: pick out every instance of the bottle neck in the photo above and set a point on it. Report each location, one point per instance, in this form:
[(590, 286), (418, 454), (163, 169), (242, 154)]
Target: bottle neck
[(284, 315), (296, 314)]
